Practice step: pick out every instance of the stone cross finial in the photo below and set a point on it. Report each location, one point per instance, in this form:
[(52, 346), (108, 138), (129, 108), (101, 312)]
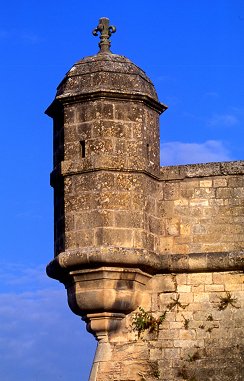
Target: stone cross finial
[(105, 32)]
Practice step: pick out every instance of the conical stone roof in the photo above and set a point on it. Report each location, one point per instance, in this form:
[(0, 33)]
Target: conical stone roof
[(107, 75), (106, 72)]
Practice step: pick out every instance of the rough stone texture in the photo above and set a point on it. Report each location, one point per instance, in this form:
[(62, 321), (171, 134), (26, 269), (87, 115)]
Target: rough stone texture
[(202, 208), (108, 72), (196, 341), (130, 234)]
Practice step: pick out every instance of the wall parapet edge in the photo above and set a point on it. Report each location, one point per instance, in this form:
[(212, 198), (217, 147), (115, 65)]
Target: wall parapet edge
[(180, 172)]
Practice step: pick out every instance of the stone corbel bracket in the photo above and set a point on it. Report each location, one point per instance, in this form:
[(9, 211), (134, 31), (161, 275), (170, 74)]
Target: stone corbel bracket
[(101, 288), (106, 283)]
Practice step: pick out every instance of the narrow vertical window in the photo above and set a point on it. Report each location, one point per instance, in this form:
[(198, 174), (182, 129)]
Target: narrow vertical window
[(83, 148)]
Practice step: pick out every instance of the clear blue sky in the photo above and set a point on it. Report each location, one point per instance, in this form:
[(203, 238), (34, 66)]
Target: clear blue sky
[(193, 52)]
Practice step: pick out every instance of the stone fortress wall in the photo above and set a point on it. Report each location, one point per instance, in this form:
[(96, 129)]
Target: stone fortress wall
[(197, 340), (152, 258), (202, 208), (199, 214)]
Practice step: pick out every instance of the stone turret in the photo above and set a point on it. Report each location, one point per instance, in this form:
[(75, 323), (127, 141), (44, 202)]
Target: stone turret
[(152, 258), (106, 150)]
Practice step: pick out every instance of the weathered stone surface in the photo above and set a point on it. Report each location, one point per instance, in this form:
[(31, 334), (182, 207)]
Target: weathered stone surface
[(106, 72), (134, 241), (205, 209), (200, 339)]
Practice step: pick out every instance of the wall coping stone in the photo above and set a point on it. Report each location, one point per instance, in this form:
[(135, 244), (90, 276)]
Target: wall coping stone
[(180, 172)]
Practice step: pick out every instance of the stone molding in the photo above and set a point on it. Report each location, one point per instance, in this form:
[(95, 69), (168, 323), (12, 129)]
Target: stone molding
[(66, 167), (144, 260), (104, 94), (113, 95)]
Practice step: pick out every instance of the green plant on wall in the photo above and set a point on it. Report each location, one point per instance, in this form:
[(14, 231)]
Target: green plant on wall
[(143, 321), (227, 300), (176, 304), (186, 322)]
